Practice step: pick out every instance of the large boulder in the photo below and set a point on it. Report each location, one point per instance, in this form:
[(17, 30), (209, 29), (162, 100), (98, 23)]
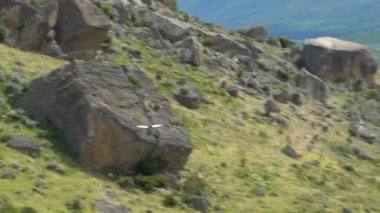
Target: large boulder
[(99, 108), (82, 27), (312, 85), (28, 26), (337, 60)]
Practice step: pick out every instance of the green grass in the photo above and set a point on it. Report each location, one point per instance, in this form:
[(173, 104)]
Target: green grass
[(227, 163)]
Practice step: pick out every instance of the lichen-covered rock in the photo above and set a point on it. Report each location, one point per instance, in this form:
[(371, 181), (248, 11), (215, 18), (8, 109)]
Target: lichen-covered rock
[(99, 108), (337, 60)]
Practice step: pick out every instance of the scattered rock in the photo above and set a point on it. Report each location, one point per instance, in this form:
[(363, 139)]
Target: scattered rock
[(188, 96), (259, 33), (312, 85), (190, 51), (361, 154), (108, 102), (239, 122), (199, 203), (54, 167), (290, 152), (338, 60), (258, 192), (9, 174), (270, 106), (224, 44), (233, 91), (25, 145), (169, 28), (346, 210), (365, 133), (281, 97), (103, 206), (298, 99)]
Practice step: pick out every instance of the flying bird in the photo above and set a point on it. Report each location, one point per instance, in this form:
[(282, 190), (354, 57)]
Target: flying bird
[(150, 126)]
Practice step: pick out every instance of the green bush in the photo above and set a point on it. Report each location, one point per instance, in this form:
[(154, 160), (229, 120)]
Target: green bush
[(28, 210), (149, 183), (135, 81), (170, 201), (285, 42), (3, 31), (194, 186), (6, 207), (151, 166)]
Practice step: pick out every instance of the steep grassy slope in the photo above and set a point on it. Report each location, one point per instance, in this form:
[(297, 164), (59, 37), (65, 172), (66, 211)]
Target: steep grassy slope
[(231, 159), (297, 19)]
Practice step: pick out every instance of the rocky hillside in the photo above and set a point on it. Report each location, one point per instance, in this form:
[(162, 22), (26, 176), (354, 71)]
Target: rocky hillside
[(133, 106)]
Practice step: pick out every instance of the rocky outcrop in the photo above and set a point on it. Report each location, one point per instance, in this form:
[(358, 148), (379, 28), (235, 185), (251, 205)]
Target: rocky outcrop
[(29, 27), (338, 60), (189, 51), (258, 33), (312, 85), (224, 44), (171, 29), (77, 27), (99, 108), (81, 27)]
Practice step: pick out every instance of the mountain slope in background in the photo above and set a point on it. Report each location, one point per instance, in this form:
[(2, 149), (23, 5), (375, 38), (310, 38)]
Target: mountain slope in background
[(297, 19)]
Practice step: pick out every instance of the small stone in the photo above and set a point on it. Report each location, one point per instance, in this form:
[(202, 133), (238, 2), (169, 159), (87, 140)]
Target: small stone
[(233, 91), (290, 152), (25, 145), (258, 192), (270, 106), (9, 174), (199, 203)]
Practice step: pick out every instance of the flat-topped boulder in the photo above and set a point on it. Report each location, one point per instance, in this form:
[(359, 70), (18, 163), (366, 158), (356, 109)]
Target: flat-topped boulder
[(100, 108), (338, 60)]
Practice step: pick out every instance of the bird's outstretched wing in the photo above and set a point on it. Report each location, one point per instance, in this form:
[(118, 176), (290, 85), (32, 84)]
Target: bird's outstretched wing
[(143, 127), (157, 125)]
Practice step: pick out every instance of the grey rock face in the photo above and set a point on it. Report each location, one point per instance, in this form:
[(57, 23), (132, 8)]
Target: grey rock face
[(188, 96), (312, 85), (337, 60), (99, 106), (81, 27), (25, 145)]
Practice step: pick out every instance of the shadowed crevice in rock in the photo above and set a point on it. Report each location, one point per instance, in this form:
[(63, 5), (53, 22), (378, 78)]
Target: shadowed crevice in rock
[(99, 106)]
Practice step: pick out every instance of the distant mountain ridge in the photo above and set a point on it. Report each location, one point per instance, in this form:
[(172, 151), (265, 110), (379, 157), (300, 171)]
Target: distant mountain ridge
[(297, 19)]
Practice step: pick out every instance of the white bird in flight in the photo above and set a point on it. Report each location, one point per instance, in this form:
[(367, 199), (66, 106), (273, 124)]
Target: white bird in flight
[(150, 126)]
